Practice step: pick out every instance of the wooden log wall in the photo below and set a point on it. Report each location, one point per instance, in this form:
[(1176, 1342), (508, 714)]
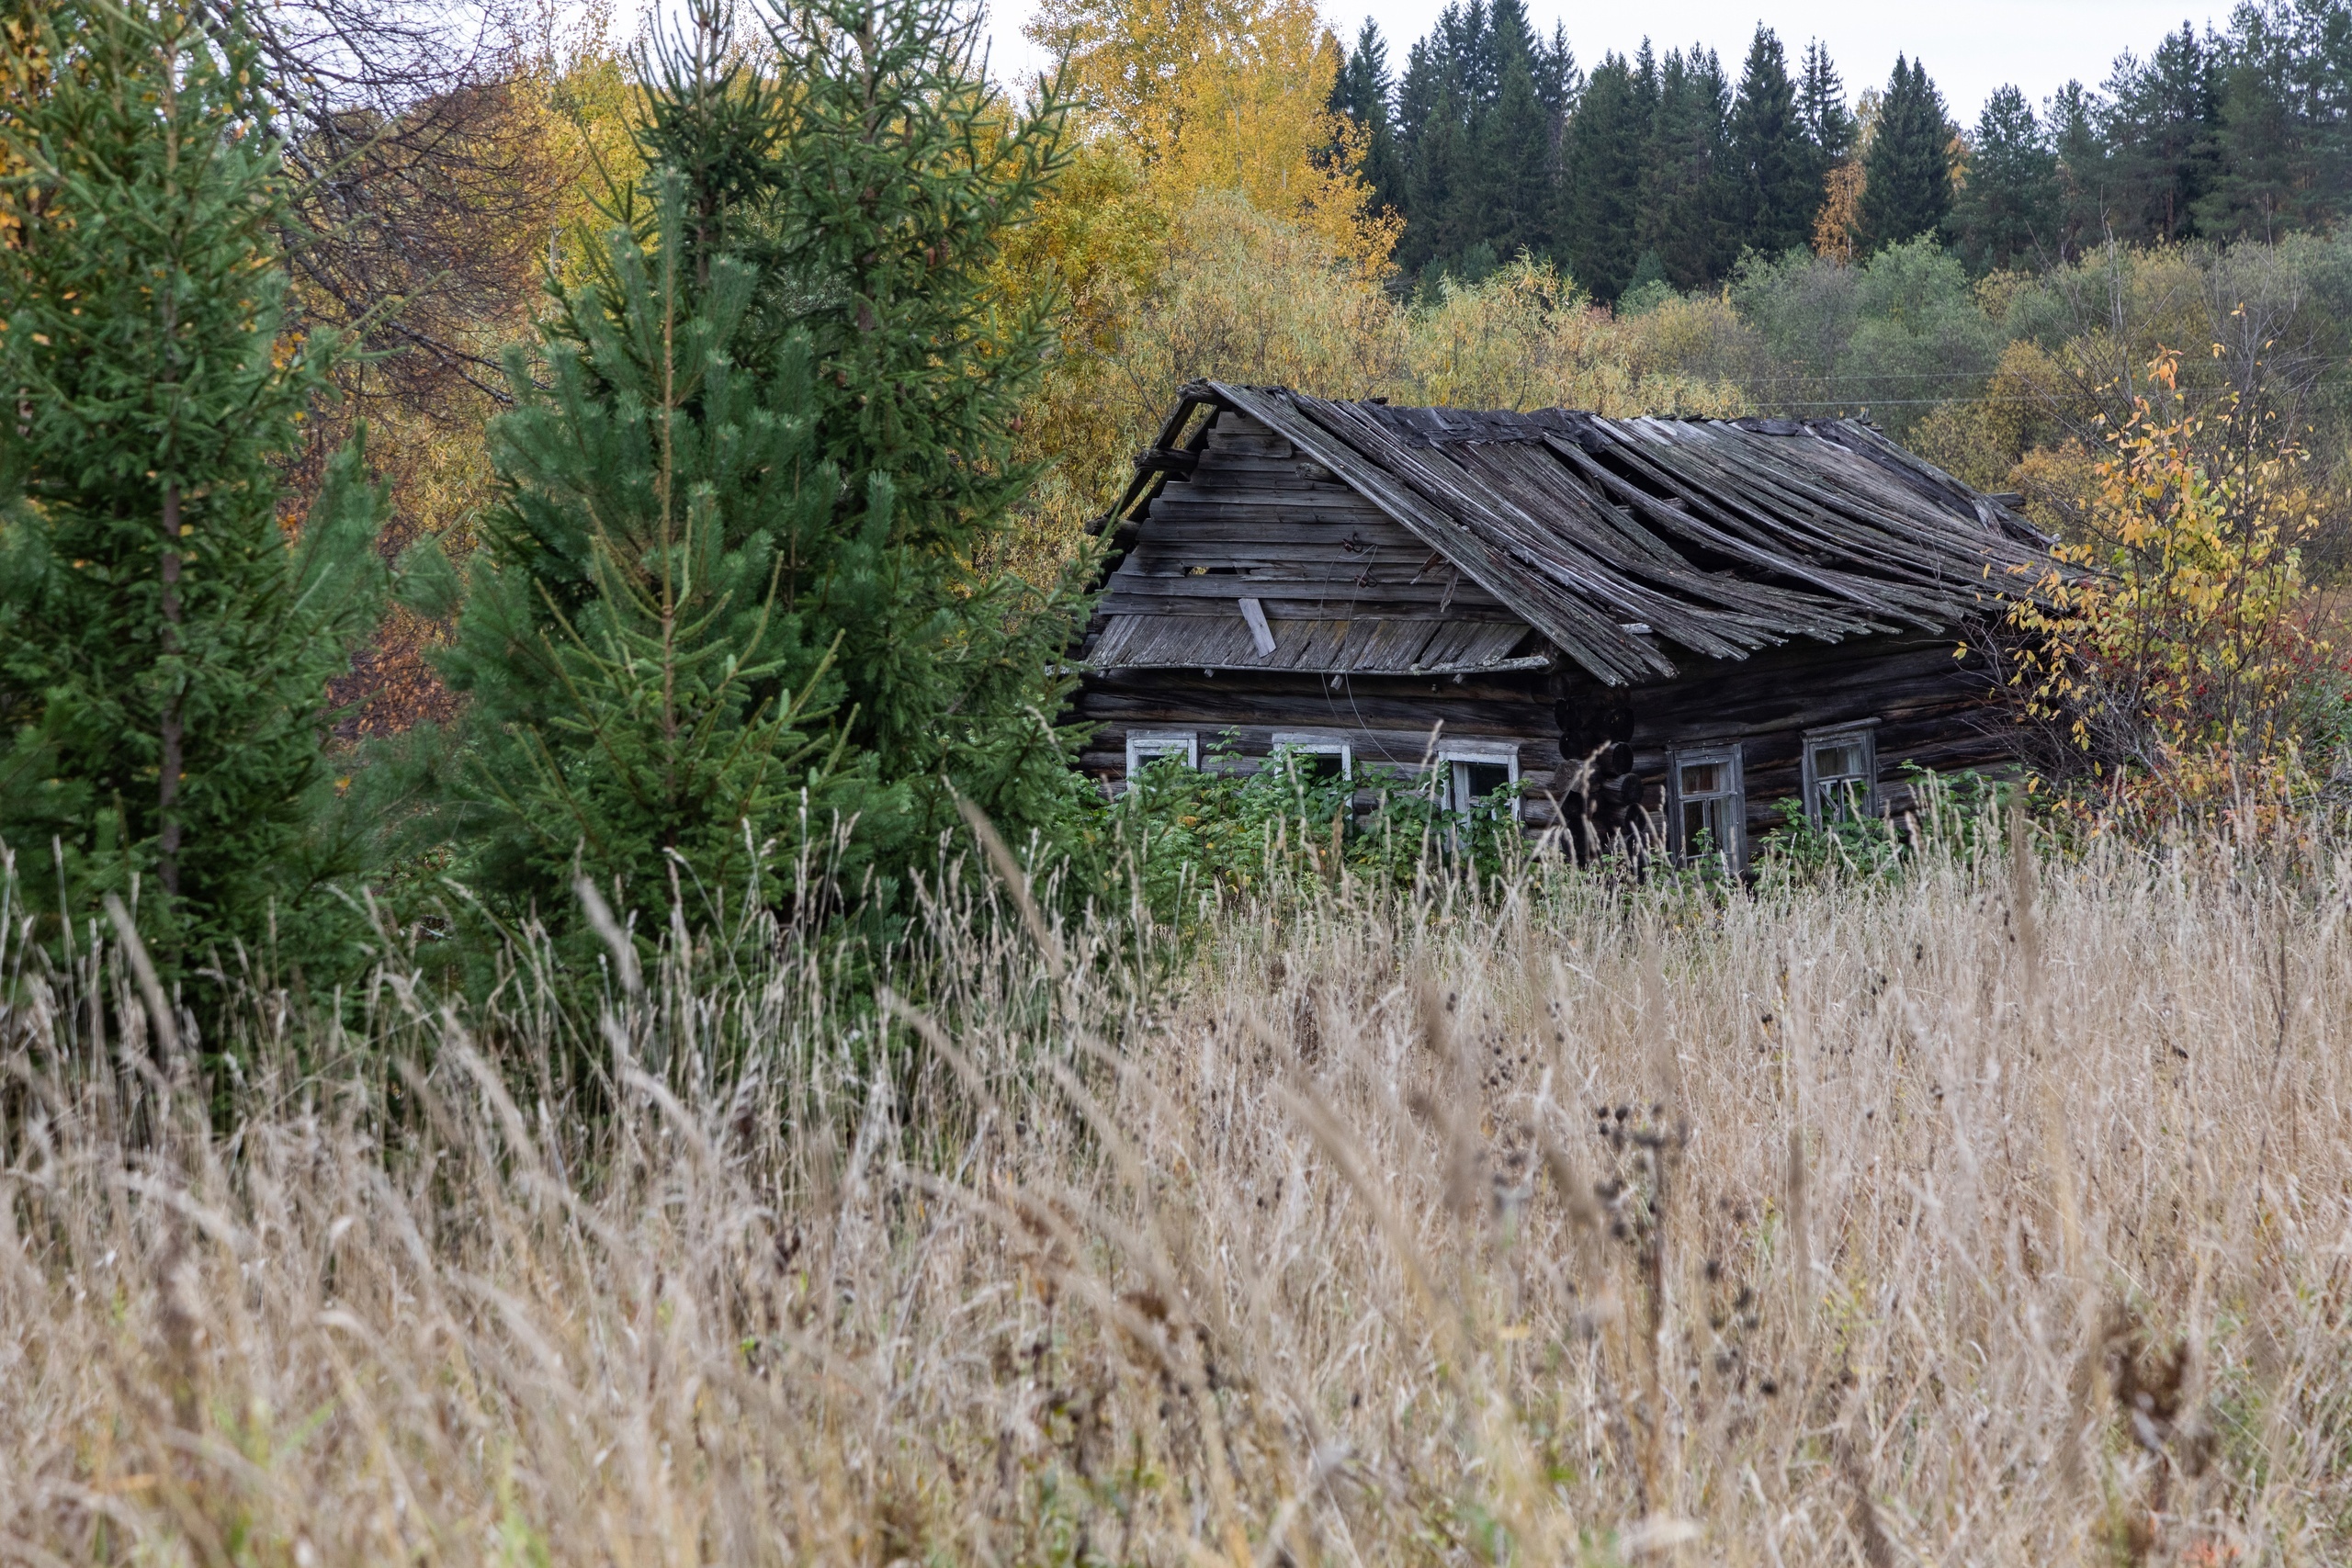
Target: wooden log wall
[(1932, 709), (1386, 719)]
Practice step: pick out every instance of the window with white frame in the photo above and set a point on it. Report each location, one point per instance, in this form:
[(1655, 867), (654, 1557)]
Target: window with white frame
[(1707, 803), (1314, 757), (1841, 772), (1148, 746), (1470, 771)]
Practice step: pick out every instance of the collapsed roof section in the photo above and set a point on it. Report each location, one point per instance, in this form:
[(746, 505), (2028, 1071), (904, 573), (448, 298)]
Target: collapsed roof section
[(1615, 539)]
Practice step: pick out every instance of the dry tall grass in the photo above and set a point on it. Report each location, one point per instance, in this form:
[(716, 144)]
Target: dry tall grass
[(1950, 1218)]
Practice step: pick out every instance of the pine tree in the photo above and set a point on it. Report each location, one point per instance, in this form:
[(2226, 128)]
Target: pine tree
[(1780, 186), (2006, 215), (2163, 123), (2284, 142), (165, 645), (735, 594), (644, 691), (1908, 168), (2268, 179), (2072, 118), (1601, 184)]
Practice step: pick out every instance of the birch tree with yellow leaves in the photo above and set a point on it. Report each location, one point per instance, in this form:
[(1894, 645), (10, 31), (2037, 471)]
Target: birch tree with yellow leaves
[(2187, 659)]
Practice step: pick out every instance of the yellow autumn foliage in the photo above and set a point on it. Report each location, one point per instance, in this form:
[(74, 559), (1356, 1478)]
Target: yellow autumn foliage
[(1222, 95), (2186, 648)]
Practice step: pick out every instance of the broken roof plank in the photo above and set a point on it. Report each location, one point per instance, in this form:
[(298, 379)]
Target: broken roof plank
[(1583, 632)]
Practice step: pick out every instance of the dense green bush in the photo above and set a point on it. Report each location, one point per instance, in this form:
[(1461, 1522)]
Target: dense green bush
[(1190, 837)]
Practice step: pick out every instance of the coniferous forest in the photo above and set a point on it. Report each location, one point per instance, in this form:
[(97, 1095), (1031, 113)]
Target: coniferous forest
[(1490, 140)]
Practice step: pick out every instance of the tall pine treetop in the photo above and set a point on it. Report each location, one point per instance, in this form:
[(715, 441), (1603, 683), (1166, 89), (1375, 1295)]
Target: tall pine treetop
[(2007, 213)]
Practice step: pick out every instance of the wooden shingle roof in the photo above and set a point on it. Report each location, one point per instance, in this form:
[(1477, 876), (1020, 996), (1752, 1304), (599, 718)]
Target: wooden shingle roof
[(1620, 539)]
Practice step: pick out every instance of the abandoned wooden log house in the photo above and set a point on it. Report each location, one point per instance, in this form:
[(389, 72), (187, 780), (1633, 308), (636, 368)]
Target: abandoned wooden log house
[(1664, 626)]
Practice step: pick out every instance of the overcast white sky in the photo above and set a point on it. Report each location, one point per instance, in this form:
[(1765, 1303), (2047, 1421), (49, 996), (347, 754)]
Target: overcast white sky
[(1969, 46)]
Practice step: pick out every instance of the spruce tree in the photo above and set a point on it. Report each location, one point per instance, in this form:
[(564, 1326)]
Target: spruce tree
[(1515, 167), (1827, 125), (2007, 214), (900, 177), (1440, 187), (1691, 191), (165, 641), (1601, 184), (1362, 92), (1780, 187), (1908, 172), (1427, 152)]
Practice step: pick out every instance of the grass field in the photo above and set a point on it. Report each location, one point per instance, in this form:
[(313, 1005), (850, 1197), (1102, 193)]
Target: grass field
[(1982, 1214)]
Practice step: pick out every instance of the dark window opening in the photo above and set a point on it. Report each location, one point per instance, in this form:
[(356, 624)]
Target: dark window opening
[(1318, 767), (1476, 780)]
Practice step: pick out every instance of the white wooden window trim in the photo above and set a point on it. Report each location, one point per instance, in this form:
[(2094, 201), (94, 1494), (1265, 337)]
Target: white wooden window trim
[(1864, 730), (1735, 791), (1309, 743), (1454, 757), (1145, 745)]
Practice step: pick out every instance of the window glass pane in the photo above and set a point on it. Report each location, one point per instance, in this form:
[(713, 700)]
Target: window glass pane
[(1702, 778), (1707, 827), (1838, 760)]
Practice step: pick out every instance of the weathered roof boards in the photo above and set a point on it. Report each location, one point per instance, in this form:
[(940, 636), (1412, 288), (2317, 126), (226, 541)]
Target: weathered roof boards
[(1284, 551)]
